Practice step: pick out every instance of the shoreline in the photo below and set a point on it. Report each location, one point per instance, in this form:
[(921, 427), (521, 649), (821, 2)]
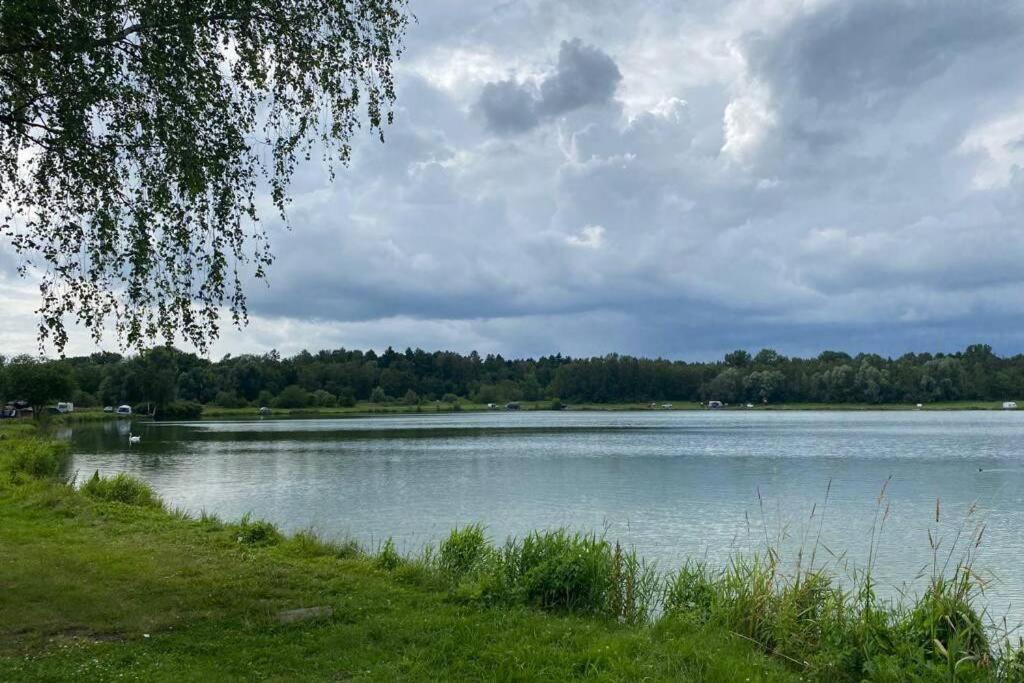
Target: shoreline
[(385, 409)]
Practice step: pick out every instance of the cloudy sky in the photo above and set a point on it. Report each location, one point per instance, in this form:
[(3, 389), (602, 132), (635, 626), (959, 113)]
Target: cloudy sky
[(665, 178)]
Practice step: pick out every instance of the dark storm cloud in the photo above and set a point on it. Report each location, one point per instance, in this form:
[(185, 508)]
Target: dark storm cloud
[(508, 107), (583, 76), (870, 50)]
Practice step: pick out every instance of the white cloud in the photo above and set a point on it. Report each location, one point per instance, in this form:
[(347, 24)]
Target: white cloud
[(590, 237), (746, 123), (459, 70), (999, 146)]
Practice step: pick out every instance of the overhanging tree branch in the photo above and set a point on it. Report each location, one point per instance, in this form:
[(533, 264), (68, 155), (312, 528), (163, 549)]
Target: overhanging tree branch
[(127, 139)]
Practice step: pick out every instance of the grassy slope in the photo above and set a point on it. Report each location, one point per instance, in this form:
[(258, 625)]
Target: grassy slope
[(82, 582), (368, 409)]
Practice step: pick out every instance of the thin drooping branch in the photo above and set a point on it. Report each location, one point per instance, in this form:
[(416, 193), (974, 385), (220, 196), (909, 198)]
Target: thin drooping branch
[(125, 33), (136, 139)]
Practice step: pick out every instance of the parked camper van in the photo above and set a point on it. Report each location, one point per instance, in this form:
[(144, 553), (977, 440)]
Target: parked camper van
[(124, 410), (65, 407), (1009, 405)]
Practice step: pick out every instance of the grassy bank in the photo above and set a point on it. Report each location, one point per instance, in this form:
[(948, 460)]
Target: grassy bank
[(101, 582), (365, 408), (945, 405)]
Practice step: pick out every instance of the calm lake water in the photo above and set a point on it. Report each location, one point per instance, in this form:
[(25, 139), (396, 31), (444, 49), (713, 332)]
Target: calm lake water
[(674, 484)]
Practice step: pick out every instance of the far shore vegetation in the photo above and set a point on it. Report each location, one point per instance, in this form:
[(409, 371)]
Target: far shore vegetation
[(102, 581), (190, 411), (172, 384)]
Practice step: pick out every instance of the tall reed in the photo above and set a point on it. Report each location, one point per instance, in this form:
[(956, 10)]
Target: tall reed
[(805, 616)]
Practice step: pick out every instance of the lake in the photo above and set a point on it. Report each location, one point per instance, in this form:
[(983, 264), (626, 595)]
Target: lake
[(702, 484)]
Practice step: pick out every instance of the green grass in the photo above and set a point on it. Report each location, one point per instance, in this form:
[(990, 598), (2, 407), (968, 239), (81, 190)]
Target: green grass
[(943, 405), (28, 457), (120, 489), (102, 582), (692, 405), (363, 408), (366, 408), (83, 415), (803, 618)]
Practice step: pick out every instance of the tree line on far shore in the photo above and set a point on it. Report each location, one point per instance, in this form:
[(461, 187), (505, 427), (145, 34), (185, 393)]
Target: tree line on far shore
[(162, 376)]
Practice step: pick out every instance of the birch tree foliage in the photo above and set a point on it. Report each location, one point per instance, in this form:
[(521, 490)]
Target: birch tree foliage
[(137, 135)]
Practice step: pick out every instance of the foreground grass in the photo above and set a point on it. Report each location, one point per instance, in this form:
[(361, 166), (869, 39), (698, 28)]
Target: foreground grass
[(93, 588)]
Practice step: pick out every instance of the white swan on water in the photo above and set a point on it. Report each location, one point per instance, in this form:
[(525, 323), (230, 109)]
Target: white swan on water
[(133, 439)]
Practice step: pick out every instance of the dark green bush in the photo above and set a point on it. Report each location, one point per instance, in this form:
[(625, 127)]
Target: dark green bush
[(181, 410), (324, 399), (229, 399), (83, 399), (293, 396)]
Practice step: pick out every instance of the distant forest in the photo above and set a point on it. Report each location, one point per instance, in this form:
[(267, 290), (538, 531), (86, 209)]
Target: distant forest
[(162, 375)]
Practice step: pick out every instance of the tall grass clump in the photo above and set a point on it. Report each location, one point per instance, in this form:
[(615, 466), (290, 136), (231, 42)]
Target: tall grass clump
[(554, 571), (387, 557), (807, 618), (691, 592), (582, 573), (32, 458), (257, 532), (945, 616), (121, 488), (466, 551), (802, 618), (1010, 666), (308, 543)]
